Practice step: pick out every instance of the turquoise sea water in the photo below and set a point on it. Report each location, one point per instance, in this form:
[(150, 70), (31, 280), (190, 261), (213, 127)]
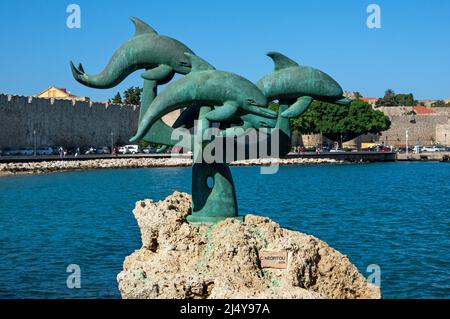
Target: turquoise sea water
[(395, 215)]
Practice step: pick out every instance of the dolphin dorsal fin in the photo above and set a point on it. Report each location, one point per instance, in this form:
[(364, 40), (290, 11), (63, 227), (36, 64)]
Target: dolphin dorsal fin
[(142, 27), (281, 61), (198, 64)]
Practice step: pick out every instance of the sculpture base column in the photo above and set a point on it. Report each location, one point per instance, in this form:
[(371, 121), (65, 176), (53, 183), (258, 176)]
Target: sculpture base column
[(213, 194)]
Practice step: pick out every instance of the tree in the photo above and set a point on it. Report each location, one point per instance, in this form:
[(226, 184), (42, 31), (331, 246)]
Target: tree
[(133, 95), (388, 99), (117, 99), (440, 103), (341, 123), (392, 99), (405, 100)]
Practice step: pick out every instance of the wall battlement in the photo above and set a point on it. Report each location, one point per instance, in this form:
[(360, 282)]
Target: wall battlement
[(68, 123), (60, 102)]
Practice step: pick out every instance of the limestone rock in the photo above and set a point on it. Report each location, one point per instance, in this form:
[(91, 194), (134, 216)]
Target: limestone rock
[(180, 260)]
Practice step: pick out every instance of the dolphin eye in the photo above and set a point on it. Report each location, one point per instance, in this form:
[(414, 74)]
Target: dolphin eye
[(251, 101)]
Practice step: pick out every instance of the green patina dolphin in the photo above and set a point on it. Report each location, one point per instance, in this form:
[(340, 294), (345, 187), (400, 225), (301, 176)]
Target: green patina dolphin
[(298, 85), (159, 55), (230, 94)]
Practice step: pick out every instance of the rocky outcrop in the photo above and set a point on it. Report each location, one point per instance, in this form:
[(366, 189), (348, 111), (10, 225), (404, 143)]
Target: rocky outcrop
[(70, 165), (140, 162), (181, 260)]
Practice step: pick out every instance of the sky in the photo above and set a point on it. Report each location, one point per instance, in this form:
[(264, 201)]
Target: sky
[(409, 53)]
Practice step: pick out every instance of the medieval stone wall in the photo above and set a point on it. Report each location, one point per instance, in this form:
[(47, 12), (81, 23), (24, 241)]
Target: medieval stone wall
[(422, 129), (82, 123), (64, 122)]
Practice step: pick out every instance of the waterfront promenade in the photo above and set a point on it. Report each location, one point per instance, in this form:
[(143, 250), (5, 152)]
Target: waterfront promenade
[(46, 164)]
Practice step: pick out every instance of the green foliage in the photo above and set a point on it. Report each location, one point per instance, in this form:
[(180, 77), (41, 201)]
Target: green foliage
[(392, 99), (117, 99), (341, 122), (133, 95), (405, 99), (440, 103), (274, 106)]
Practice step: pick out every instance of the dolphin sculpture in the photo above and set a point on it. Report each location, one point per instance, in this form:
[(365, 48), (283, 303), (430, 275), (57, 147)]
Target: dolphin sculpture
[(298, 85), (159, 55), (230, 94)]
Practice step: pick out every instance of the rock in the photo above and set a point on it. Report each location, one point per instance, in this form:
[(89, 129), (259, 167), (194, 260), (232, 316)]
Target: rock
[(68, 165), (181, 260)]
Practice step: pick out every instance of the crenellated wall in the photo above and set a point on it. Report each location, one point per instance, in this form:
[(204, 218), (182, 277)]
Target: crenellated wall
[(73, 123), (426, 129), (64, 122)]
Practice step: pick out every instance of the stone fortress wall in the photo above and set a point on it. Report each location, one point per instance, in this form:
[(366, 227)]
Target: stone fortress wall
[(68, 123), (72, 123), (426, 129)]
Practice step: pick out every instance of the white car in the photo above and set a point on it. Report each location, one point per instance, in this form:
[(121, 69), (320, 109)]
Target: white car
[(433, 148), (129, 149), (133, 149), (122, 150)]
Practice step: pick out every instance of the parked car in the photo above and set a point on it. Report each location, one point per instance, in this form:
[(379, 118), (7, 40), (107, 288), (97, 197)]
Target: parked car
[(55, 150), (417, 149), (26, 151), (337, 150), (130, 149), (384, 149), (403, 150), (434, 148), (122, 150), (44, 150), (11, 151), (102, 150), (149, 150), (90, 150)]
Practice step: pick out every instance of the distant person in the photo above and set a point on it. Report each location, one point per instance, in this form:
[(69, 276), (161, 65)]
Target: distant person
[(77, 152), (61, 151)]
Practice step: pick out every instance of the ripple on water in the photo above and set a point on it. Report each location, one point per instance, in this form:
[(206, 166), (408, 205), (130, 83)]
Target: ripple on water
[(394, 215)]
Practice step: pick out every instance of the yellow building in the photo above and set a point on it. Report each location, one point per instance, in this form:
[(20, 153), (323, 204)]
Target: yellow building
[(59, 94)]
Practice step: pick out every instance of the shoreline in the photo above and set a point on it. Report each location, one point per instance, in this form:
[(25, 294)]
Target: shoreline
[(11, 169)]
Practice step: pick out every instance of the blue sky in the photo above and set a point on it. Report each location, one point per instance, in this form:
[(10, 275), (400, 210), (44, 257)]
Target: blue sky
[(410, 53)]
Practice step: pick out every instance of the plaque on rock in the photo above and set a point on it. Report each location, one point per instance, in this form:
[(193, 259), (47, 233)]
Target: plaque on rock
[(274, 259)]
